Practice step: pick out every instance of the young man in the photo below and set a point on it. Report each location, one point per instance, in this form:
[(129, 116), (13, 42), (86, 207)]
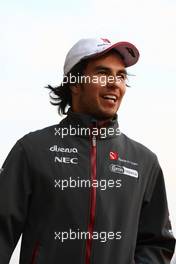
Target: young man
[(81, 191)]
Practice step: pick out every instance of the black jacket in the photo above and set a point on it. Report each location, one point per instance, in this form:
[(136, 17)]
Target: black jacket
[(83, 199)]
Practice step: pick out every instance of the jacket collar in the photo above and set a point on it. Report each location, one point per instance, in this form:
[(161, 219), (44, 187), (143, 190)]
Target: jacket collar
[(80, 120)]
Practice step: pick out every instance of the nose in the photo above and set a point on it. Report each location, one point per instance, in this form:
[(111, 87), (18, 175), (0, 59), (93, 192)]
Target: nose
[(113, 82)]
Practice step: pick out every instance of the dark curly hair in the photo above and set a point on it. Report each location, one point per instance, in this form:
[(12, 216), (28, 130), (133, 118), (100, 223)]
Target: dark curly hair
[(61, 95)]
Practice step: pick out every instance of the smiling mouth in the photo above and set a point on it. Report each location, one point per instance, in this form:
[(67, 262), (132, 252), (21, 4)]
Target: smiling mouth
[(110, 98)]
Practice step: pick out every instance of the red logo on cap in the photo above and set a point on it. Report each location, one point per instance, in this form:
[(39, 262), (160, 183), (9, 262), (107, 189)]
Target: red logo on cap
[(106, 40), (113, 155)]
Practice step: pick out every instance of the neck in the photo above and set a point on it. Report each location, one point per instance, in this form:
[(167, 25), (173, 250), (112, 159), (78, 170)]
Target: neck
[(101, 121)]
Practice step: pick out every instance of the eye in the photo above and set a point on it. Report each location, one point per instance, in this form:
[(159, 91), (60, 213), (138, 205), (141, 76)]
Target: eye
[(122, 76), (102, 72)]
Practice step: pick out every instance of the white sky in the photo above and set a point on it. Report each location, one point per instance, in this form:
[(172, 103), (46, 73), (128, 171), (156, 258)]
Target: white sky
[(34, 39)]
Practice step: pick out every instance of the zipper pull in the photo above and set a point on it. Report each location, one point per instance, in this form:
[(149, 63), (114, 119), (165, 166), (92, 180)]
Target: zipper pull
[(94, 141)]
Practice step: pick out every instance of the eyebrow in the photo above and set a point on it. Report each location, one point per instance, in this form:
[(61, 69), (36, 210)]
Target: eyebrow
[(102, 67)]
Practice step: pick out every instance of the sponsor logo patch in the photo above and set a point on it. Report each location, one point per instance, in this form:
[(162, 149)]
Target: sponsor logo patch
[(123, 170), (66, 150), (113, 155), (66, 160), (106, 40)]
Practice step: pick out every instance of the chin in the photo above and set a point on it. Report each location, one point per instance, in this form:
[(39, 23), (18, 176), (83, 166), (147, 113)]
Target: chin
[(105, 115)]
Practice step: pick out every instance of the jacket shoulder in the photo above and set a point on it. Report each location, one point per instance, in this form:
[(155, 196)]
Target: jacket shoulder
[(39, 136), (138, 148)]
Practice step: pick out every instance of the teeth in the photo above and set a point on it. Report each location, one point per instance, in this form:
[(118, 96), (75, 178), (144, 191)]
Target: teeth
[(112, 97)]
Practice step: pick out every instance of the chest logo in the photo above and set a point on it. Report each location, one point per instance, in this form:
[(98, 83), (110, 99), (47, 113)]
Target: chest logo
[(66, 160), (123, 170), (113, 155)]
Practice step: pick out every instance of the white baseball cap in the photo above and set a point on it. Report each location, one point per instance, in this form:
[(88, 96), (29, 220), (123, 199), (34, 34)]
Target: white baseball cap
[(91, 47)]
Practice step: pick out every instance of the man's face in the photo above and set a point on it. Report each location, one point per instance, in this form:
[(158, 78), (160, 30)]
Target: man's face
[(101, 94)]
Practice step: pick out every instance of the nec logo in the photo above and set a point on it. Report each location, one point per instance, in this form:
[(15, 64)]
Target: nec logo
[(66, 160)]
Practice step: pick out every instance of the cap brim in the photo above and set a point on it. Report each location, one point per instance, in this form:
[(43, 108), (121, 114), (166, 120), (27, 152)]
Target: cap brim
[(127, 50)]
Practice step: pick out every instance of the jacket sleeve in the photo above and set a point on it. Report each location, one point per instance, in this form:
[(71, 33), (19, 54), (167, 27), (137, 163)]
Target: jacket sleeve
[(155, 241), (15, 189)]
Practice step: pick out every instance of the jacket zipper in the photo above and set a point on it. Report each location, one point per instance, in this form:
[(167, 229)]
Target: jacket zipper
[(35, 252), (92, 200)]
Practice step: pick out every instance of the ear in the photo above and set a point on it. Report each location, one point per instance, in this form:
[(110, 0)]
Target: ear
[(75, 89)]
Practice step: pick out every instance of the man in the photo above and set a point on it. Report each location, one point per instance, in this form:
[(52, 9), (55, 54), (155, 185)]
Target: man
[(81, 191)]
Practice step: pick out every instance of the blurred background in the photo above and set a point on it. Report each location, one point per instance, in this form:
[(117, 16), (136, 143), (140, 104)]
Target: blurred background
[(34, 39)]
